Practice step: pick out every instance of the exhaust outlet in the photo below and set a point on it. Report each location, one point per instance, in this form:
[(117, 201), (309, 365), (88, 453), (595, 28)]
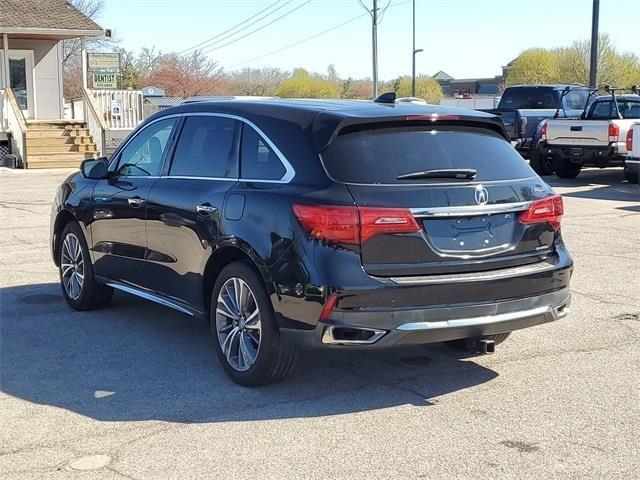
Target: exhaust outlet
[(336, 335)]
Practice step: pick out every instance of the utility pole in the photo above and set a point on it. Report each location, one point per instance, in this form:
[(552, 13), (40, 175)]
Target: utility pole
[(374, 33), (413, 54), (593, 64)]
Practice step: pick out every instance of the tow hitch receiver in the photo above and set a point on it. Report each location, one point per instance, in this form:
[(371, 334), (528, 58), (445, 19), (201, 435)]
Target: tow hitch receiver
[(481, 345)]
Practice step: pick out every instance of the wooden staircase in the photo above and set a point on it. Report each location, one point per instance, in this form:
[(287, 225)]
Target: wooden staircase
[(58, 144)]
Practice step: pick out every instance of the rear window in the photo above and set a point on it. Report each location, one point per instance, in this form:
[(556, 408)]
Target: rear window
[(380, 156), (535, 98), (606, 109)]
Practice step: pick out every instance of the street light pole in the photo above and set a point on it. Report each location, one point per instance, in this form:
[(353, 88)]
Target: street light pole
[(593, 63)]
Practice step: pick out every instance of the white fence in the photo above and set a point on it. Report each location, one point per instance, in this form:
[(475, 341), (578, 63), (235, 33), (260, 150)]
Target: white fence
[(120, 109)]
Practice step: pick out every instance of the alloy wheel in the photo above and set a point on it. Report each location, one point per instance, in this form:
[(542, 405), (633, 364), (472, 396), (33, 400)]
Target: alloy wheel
[(72, 266), (238, 324)]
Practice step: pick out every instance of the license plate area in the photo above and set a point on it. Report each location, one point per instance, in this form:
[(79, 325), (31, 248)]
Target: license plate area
[(473, 235), (576, 152)]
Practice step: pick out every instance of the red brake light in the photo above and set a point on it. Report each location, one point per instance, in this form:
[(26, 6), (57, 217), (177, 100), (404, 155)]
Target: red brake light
[(630, 141), (334, 224), (614, 131), (353, 225), (543, 131), (548, 210), (374, 221)]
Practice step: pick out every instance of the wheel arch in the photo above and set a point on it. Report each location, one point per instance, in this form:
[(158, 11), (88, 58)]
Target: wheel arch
[(225, 255), (63, 218)]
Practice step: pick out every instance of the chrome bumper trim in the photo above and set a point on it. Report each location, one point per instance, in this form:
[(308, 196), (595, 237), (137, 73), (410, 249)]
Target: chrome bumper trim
[(470, 210), (476, 276), (477, 321)]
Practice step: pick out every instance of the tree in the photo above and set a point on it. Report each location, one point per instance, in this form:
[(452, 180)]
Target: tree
[(187, 76), (261, 82), (536, 65), (571, 65), (135, 70), (427, 88), (302, 84)]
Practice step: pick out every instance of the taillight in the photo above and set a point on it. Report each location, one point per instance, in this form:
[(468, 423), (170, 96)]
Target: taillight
[(543, 131), (353, 225), (333, 224), (614, 131), (548, 210), (630, 141), (374, 221)]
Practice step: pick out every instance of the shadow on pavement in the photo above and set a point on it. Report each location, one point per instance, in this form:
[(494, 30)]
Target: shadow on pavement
[(138, 361), (602, 184)]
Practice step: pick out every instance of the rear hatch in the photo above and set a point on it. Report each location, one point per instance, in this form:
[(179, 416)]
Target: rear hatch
[(583, 133), (463, 224)]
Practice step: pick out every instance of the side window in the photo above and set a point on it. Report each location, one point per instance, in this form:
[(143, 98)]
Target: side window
[(144, 154), (258, 160), (207, 148), (574, 101)]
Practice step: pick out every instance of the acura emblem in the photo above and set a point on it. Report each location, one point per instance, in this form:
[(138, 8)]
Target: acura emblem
[(481, 194)]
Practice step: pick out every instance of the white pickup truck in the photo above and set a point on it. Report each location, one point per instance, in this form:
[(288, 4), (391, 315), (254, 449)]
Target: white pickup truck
[(632, 162), (597, 139)]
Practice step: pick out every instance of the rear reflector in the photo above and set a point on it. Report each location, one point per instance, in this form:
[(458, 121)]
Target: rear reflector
[(630, 141), (548, 210), (614, 131), (353, 225)]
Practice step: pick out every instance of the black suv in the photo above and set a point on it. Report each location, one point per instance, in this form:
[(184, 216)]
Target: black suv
[(291, 224)]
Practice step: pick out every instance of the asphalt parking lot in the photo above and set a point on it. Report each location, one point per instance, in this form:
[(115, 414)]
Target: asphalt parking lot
[(135, 391)]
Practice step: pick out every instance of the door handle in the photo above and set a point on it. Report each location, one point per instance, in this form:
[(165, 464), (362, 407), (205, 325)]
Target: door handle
[(136, 202), (206, 209)]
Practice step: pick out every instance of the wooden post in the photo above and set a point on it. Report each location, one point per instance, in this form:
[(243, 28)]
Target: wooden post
[(5, 48)]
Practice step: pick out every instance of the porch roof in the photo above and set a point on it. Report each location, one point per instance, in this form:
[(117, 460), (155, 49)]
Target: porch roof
[(52, 18)]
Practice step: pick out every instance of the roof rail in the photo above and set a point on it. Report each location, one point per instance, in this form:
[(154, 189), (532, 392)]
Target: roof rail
[(223, 98)]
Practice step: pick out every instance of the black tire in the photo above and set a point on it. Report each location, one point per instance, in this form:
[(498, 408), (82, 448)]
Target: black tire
[(463, 343), (631, 177), (566, 169), (91, 294), (274, 359), (541, 164)]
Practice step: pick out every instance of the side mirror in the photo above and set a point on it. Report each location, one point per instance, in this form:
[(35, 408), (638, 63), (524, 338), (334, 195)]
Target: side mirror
[(95, 168)]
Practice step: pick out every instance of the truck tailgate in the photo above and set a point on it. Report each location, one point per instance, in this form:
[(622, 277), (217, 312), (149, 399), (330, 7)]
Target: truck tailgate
[(578, 132)]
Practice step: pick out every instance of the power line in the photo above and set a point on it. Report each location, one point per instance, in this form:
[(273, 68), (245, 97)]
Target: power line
[(209, 40), (316, 35), (273, 52), (208, 50)]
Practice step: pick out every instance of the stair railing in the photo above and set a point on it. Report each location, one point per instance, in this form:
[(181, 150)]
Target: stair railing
[(16, 124), (95, 122)]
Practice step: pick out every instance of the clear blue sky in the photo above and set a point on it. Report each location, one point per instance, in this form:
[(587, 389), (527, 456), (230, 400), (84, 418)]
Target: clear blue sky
[(465, 38)]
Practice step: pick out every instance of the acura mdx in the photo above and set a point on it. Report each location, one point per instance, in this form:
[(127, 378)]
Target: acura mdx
[(292, 224)]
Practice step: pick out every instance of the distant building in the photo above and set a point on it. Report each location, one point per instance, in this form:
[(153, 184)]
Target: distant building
[(154, 99), (469, 87)]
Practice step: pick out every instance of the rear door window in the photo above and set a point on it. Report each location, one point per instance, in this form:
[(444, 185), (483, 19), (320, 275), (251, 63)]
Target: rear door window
[(207, 147), (380, 156), (529, 98)]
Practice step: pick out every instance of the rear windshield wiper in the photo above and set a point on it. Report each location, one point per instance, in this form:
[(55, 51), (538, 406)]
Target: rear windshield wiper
[(456, 173)]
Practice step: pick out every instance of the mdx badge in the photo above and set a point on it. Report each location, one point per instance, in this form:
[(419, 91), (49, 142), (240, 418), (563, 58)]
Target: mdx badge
[(481, 194)]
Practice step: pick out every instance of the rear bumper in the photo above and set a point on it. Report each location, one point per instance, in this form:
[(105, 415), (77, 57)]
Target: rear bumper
[(600, 156), (632, 165), (430, 325)]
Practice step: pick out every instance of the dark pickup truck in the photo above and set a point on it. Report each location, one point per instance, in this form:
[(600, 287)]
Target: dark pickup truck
[(523, 108)]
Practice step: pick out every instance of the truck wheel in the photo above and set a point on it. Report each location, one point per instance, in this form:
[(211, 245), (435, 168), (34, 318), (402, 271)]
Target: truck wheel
[(631, 177), (541, 164), (566, 169)]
